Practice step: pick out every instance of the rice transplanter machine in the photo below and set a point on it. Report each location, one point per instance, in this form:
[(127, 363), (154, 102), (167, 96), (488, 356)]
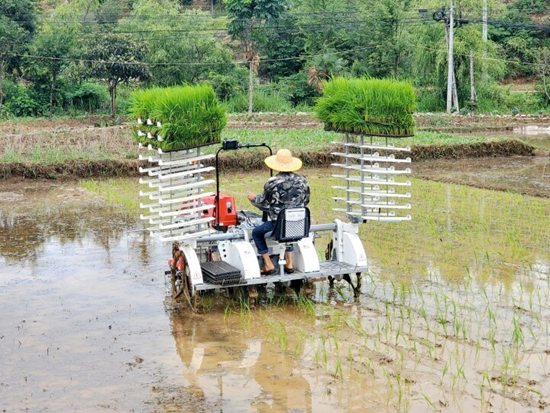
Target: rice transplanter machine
[(212, 247)]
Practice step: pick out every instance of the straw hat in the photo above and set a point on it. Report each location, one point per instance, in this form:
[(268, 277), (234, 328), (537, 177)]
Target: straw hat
[(283, 161)]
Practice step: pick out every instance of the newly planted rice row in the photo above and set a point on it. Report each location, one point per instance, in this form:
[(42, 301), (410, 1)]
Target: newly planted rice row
[(453, 312)]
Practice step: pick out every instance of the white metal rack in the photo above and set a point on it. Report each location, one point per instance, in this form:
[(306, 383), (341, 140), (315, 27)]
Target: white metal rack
[(173, 187), (376, 183)]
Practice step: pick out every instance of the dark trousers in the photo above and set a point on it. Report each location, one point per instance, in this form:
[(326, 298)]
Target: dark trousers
[(258, 235)]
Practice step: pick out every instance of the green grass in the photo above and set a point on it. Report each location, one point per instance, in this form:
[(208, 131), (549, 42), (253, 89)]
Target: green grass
[(51, 155), (122, 193), (120, 146), (319, 139)]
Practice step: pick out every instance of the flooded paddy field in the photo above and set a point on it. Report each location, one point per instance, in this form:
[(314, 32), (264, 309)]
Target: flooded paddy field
[(453, 314), (522, 174)]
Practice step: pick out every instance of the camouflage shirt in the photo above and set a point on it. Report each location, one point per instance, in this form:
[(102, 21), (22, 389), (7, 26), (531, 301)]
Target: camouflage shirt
[(284, 190)]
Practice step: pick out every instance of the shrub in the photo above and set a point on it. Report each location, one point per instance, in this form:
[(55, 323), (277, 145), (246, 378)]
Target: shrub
[(23, 101), (298, 91), (264, 100), (429, 100), (268, 99), (189, 116), (229, 85), (368, 106), (87, 96)]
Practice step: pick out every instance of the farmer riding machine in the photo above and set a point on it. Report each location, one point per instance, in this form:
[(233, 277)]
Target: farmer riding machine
[(212, 247)]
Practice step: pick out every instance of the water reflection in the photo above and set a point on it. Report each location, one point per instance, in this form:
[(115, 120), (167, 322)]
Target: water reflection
[(54, 213), (228, 369), (532, 130), (522, 174)]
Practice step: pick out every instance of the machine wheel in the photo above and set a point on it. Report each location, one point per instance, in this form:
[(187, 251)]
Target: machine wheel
[(253, 296), (357, 287), (296, 285), (182, 286), (359, 284)]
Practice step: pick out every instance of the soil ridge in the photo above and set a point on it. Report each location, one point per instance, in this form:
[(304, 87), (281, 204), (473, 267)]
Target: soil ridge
[(239, 161)]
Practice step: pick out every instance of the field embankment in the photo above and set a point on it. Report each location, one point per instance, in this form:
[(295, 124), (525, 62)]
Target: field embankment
[(83, 148)]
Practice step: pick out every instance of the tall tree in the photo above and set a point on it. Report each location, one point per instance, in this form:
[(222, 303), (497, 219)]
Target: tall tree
[(115, 58), (181, 46), (281, 44), (244, 17), (55, 44), (17, 24), (385, 37)]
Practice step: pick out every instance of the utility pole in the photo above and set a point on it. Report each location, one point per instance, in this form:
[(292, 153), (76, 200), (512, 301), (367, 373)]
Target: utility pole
[(250, 85), (450, 72), (484, 20), (484, 37), (472, 85)]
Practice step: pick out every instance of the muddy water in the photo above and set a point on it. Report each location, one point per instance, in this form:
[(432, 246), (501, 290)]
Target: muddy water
[(84, 327), (523, 174), (79, 305)]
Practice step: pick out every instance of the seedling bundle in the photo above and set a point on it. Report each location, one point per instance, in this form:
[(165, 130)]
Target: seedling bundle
[(179, 117), (375, 107)]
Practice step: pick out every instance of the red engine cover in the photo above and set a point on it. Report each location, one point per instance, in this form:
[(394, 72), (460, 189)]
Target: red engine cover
[(227, 209)]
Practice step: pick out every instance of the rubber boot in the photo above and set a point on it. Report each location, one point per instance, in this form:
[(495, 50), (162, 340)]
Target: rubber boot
[(289, 266), (268, 267)]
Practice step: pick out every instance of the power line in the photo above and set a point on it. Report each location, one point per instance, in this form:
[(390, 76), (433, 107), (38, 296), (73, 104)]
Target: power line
[(147, 64)]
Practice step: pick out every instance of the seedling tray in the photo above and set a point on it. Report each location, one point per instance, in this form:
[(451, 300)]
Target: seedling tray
[(220, 273)]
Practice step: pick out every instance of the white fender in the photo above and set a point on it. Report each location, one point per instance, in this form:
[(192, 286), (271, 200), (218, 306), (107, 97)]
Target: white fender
[(241, 255), (348, 245), (194, 271), (354, 252), (305, 256)]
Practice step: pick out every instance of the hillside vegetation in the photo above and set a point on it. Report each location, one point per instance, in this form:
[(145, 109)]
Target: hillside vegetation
[(86, 56)]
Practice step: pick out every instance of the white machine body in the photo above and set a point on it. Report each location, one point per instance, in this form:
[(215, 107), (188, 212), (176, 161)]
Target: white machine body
[(241, 255), (347, 244), (194, 271), (306, 259)]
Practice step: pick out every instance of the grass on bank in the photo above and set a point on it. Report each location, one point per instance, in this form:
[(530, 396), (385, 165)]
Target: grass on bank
[(116, 143)]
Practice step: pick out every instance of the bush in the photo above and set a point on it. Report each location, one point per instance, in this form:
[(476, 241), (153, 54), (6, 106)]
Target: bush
[(429, 100), (493, 98), (264, 100), (229, 85), (268, 99), (368, 106), (297, 90), (23, 101), (525, 102), (87, 96), (236, 104)]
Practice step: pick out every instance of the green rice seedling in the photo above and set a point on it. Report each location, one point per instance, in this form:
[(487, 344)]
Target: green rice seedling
[(189, 116), (338, 370), (379, 107), (517, 334), (428, 400)]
